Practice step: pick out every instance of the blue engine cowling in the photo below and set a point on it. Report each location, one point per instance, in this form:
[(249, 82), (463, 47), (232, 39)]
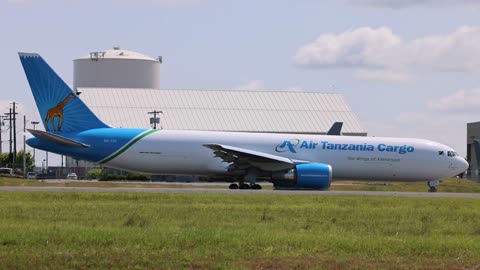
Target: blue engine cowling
[(305, 176)]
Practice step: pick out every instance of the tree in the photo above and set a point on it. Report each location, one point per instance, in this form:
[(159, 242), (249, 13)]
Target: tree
[(6, 160), (29, 160)]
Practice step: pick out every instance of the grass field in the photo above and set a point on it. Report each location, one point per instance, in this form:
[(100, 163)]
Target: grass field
[(13, 182), (447, 185), (42, 230)]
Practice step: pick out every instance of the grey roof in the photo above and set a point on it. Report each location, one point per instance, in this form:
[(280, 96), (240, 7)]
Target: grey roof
[(223, 110)]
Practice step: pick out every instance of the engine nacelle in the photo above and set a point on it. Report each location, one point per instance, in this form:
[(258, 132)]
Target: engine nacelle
[(305, 176)]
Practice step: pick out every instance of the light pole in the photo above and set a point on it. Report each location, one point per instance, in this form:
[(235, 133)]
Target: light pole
[(34, 123), (24, 147), (1, 126), (155, 112), (9, 115), (14, 132)]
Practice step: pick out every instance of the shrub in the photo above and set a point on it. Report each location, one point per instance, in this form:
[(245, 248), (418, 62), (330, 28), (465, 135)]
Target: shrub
[(138, 176), (95, 173), (110, 177)]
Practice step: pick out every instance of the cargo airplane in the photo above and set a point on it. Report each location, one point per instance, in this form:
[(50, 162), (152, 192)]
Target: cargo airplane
[(296, 161)]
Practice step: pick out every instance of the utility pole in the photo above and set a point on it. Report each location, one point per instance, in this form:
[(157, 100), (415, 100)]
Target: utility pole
[(14, 115), (2, 124), (155, 112), (1, 142), (34, 123), (10, 139), (24, 147)]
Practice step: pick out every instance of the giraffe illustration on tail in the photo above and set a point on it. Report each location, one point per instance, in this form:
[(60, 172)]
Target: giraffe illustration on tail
[(57, 111)]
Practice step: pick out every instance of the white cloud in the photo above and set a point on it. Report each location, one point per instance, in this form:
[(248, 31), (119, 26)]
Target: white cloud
[(259, 85), (382, 75), (254, 85), (359, 47), (19, 1), (458, 51), (447, 129), (409, 3), (6, 104), (21, 109), (163, 3), (295, 89), (461, 101), (414, 118), (442, 119), (384, 55)]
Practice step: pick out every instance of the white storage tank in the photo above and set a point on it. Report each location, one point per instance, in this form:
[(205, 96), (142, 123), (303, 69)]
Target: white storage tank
[(116, 68)]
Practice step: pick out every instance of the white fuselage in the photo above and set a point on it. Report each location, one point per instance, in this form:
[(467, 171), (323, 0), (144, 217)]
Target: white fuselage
[(369, 158)]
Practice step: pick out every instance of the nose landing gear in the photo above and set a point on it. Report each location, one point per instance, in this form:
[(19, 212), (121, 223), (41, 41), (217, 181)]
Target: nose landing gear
[(433, 185)]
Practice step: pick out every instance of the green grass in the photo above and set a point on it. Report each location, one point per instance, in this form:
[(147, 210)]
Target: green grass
[(14, 182), (43, 230), (447, 185)]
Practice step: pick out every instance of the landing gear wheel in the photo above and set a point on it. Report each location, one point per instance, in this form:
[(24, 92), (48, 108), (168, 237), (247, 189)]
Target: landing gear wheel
[(244, 186), (233, 186), (256, 186), (433, 185)]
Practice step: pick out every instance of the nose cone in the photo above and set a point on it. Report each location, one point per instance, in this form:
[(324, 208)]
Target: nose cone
[(462, 164), (458, 165)]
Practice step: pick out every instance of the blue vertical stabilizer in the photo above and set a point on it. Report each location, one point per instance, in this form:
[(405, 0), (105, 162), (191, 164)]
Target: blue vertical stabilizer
[(60, 108)]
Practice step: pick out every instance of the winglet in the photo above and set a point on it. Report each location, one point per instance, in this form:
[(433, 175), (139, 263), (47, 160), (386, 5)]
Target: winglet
[(336, 129)]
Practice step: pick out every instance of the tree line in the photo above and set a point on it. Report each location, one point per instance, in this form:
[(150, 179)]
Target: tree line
[(6, 160)]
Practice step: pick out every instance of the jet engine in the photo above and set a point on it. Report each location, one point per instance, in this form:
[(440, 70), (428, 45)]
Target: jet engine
[(304, 176)]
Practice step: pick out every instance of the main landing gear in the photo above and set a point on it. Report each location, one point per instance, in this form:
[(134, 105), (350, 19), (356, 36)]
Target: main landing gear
[(244, 186), (433, 185), (250, 177)]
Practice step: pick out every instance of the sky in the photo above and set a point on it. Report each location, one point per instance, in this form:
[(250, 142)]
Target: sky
[(407, 68)]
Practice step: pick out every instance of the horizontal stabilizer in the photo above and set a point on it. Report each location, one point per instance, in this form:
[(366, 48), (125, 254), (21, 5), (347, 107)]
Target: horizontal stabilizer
[(56, 138)]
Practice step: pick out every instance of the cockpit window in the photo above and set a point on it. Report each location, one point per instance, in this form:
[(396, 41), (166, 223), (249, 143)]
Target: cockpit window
[(451, 153), (441, 153)]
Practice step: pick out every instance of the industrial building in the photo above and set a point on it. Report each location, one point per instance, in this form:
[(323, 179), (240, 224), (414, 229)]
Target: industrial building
[(473, 133), (122, 87), (223, 110)]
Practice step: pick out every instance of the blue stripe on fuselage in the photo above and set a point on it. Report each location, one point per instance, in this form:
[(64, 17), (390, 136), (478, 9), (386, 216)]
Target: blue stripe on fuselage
[(103, 142)]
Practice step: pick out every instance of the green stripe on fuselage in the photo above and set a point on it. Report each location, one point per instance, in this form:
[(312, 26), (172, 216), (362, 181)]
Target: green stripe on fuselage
[(125, 148)]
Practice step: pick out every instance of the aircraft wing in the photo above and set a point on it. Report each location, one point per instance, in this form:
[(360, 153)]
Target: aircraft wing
[(243, 159)]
